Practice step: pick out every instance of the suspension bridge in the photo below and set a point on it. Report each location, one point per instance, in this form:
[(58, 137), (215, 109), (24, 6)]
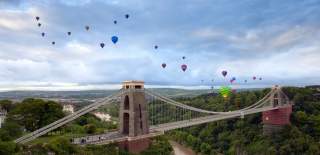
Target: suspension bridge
[(144, 114)]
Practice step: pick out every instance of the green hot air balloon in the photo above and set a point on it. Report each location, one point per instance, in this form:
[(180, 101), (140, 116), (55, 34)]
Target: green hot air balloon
[(225, 91)]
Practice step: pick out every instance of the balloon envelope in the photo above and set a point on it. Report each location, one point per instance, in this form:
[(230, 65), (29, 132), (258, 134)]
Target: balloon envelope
[(164, 65), (254, 78), (101, 45), (156, 47), (69, 33), (114, 39), (224, 91), (39, 24), (37, 18), (115, 22), (183, 57), (184, 67), (87, 28), (53, 43), (127, 16), (42, 34), (224, 73)]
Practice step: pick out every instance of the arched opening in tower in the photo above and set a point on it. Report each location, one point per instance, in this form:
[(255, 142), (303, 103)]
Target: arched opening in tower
[(126, 118), (126, 103)]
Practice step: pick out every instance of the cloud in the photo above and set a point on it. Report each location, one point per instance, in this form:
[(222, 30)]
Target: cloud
[(276, 40)]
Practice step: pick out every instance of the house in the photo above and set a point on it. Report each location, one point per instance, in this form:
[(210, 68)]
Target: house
[(3, 114)]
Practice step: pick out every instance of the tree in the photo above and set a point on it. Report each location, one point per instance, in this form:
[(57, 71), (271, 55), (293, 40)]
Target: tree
[(35, 113), (7, 148), (6, 105)]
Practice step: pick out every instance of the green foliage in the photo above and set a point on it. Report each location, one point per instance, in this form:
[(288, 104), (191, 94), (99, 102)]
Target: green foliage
[(8, 148), (90, 128), (35, 113), (244, 136), (61, 146), (6, 105), (159, 146)]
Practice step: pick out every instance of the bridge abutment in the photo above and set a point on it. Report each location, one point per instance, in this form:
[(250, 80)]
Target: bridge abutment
[(134, 116), (274, 120)]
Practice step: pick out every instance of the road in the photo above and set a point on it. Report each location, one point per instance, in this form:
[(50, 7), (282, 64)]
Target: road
[(181, 150)]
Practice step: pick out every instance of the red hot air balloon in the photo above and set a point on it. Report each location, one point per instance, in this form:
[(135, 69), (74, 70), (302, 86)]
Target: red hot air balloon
[(163, 65), (184, 67), (254, 78), (224, 73)]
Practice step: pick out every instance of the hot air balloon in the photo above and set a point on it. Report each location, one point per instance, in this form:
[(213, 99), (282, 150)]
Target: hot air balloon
[(163, 65), (37, 18), (224, 91), (115, 22), (184, 67), (233, 78), (101, 45), (87, 28), (53, 43), (254, 78), (183, 57), (69, 33), (127, 16), (114, 39), (260, 78), (245, 81), (39, 24), (42, 34), (155, 46), (224, 73)]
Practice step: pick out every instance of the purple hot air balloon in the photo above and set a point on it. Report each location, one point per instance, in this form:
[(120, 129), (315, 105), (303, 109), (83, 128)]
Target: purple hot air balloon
[(254, 78), (164, 65), (224, 73), (184, 67)]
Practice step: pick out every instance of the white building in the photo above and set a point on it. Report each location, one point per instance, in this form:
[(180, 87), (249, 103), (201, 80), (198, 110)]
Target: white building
[(3, 114), (103, 116), (68, 108)]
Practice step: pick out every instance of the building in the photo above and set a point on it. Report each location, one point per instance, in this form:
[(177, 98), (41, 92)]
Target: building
[(103, 116), (3, 114), (69, 108)]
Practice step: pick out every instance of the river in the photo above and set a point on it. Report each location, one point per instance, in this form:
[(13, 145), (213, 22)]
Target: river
[(180, 149)]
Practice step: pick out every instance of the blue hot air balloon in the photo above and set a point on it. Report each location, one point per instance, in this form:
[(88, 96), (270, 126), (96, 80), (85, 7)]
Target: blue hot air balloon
[(114, 39)]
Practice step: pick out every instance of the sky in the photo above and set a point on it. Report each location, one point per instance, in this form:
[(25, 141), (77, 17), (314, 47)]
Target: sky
[(272, 39)]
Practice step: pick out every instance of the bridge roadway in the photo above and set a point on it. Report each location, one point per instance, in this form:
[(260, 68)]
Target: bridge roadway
[(157, 130)]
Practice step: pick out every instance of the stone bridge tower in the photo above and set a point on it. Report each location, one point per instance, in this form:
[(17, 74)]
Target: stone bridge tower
[(133, 116), (274, 120)]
